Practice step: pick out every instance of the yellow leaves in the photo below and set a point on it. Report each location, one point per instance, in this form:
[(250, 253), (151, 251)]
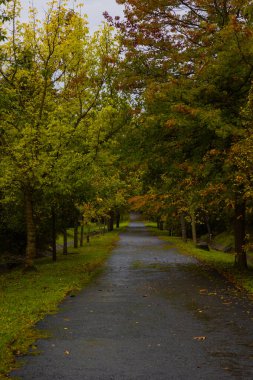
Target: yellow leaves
[(154, 202), (89, 212), (214, 152), (211, 28), (171, 123), (213, 189), (239, 178), (186, 110)]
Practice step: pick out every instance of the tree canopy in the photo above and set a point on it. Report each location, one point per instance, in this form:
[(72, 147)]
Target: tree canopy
[(190, 65), (155, 108)]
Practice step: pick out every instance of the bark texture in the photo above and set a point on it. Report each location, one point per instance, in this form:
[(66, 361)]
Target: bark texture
[(183, 227), (117, 218), (111, 221), (81, 235), (194, 230), (30, 232)]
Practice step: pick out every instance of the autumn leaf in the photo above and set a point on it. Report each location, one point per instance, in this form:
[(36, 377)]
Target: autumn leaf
[(199, 338)]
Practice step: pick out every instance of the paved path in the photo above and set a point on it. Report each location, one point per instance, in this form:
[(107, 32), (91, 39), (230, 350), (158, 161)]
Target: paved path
[(154, 314)]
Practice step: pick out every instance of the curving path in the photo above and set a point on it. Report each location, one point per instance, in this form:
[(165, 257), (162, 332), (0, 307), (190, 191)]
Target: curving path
[(153, 314)]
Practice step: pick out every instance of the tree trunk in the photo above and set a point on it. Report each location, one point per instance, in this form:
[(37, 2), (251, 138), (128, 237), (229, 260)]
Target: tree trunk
[(30, 232), (65, 242), (208, 227), (81, 235), (117, 218), (76, 237), (111, 221), (54, 254), (88, 234), (183, 227), (240, 233), (193, 224), (161, 224)]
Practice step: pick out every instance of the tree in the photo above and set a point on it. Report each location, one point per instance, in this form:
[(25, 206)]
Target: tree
[(53, 79), (192, 63), (4, 17)]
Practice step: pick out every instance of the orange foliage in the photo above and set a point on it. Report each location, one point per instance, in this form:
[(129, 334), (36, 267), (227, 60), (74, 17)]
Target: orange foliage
[(148, 202)]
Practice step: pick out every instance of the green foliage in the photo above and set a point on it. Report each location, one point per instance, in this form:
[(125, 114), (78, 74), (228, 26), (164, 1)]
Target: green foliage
[(59, 118)]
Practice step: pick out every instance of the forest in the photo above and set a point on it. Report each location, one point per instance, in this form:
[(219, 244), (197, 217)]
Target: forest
[(151, 113)]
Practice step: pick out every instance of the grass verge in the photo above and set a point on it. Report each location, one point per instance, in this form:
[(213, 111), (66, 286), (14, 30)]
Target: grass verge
[(222, 262), (93, 228), (27, 298)]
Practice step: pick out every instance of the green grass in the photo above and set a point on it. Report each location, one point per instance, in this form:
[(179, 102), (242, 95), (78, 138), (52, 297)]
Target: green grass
[(225, 239), (222, 262), (94, 227), (27, 298)]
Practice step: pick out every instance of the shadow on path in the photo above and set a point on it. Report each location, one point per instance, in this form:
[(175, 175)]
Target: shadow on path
[(153, 314)]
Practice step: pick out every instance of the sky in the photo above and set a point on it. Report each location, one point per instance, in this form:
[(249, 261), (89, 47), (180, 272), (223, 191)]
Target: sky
[(93, 8)]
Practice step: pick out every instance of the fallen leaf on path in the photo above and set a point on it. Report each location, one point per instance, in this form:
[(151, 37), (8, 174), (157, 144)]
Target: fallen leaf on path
[(199, 338), (66, 352)]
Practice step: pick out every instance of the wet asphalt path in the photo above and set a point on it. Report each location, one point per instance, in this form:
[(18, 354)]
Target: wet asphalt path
[(153, 314)]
